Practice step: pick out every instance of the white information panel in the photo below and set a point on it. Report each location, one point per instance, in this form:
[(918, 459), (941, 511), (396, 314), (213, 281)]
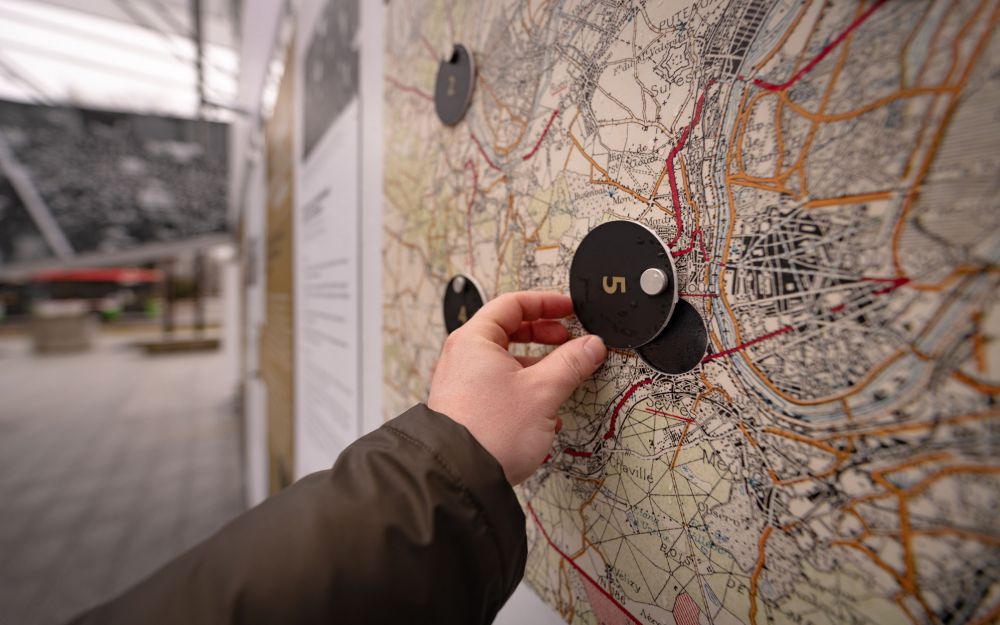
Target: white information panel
[(327, 232)]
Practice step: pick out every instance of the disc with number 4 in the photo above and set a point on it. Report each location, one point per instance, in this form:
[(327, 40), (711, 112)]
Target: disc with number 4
[(462, 298), (623, 284)]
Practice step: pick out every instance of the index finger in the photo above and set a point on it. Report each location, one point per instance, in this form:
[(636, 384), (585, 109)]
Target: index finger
[(510, 309)]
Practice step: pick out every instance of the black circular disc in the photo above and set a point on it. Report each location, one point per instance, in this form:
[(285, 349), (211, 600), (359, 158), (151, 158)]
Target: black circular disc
[(681, 345), (455, 81), (604, 284), (461, 302)]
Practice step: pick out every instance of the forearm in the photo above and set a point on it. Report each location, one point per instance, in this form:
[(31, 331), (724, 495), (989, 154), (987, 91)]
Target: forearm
[(415, 519)]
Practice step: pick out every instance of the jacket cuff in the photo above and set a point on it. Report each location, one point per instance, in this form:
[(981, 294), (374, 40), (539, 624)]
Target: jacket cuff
[(478, 473)]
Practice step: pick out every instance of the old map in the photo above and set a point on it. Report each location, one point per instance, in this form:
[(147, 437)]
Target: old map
[(826, 173)]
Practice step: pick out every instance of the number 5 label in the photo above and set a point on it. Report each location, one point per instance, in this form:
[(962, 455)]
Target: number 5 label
[(616, 285)]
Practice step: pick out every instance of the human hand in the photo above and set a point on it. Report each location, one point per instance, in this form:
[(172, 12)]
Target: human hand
[(509, 403)]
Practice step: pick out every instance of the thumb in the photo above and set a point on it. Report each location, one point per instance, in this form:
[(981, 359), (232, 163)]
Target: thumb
[(563, 370)]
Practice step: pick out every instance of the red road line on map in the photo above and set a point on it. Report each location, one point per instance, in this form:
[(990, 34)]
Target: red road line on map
[(893, 284), (483, 152), (542, 138), (743, 346), (668, 414), (578, 568), (683, 294), (409, 89), (430, 49), (690, 248), (576, 453), (671, 176), (625, 398), (770, 86)]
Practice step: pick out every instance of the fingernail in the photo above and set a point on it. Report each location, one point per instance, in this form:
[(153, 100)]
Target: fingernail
[(594, 346)]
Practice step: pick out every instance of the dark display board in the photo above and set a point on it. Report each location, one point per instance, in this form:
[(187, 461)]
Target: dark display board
[(82, 182)]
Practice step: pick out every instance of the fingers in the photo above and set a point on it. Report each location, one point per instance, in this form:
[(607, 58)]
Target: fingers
[(563, 370), (510, 310), (544, 331)]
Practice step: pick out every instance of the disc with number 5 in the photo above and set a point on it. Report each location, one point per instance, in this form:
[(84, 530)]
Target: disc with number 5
[(623, 284)]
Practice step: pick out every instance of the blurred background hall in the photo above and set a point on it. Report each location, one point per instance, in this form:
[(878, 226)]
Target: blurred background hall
[(120, 432)]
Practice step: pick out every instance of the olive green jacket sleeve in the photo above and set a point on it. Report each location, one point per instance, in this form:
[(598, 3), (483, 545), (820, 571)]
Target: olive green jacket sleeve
[(415, 523)]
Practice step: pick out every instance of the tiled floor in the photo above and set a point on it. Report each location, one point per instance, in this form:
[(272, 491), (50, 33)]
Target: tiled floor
[(111, 463)]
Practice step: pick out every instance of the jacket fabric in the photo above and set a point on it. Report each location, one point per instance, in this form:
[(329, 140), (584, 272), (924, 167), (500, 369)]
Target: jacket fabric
[(415, 523)]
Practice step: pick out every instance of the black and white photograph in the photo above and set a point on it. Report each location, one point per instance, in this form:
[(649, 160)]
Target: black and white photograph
[(87, 181), (330, 74)]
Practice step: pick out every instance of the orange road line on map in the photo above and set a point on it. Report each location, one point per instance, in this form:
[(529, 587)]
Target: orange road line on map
[(784, 37), (607, 178), (847, 409), (585, 543), (938, 137), (667, 414), (779, 135), (978, 342), (757, 569), (746, 434), (827, 49), (956, 43), (522, 122), (961, 469), (493, 184), (982, 387), (907, 580), (926, 425), (902, 94), (919, 79), (960, 533), (677, 452), (849, 199), (541, 248), (990, 618), (741, 179), (956, 273), (743, 182), (806, 440), (930, 46), (874, 557)]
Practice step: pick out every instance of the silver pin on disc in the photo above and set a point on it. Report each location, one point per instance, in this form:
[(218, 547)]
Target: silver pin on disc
[(653, 281), (623, 285), (462, 298)]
